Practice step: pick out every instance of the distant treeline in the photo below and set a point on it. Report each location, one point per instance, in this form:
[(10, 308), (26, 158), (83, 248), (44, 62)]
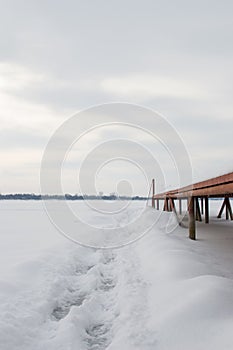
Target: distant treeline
[(71, 197)]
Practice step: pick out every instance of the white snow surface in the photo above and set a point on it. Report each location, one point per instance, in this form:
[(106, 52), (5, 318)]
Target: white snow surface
[(162, 292)]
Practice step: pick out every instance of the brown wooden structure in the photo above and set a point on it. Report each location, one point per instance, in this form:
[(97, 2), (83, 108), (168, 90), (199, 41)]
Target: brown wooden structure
[(197, 196)]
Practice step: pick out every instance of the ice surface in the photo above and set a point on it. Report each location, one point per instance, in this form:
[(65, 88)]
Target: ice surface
[(161, 292)]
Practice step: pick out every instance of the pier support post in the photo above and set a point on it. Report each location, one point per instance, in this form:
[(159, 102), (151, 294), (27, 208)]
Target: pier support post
[(198, 211), (172, 206), (202, 205), (227, 213), (192, 221), (180, 206), (165, 208), (222, 208), (153, 193), (157, 204), (206, 210), (228, 208), (227, 204)]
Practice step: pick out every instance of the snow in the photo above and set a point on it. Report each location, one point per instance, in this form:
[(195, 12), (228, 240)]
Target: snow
[(163, 291)]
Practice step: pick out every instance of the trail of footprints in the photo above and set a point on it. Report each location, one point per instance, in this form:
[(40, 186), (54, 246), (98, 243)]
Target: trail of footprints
[(97, 336)]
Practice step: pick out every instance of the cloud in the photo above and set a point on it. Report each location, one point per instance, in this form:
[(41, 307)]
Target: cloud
[(57, 58), (16, 107), (22, 139), (144, 87), (15, 77)]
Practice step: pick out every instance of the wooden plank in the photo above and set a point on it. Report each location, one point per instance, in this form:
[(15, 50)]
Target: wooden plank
[(219, 186)]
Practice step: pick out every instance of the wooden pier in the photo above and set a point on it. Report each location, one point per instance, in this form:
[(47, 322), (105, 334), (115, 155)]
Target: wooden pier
[(197, 196)]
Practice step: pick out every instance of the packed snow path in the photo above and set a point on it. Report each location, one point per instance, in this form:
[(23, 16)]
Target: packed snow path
[(90, 289), (82, 304), (87, 311), (163, 292)]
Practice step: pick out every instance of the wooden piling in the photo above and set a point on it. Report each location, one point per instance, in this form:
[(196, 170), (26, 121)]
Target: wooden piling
[(172, 206), (202, 205), (228, 208), (153, 193), (180, 206), (221, 209), (226, 204), (198, 211), (165, 204), (227, 212), (192, 221), (206, 210)]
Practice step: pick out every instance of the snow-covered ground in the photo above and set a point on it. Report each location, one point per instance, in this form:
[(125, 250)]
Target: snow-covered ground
[(161, 292)]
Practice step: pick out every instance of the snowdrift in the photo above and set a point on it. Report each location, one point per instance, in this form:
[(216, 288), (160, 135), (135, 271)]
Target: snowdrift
[(161, 292)]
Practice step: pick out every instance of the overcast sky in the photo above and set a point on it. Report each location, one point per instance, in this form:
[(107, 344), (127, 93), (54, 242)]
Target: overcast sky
[(58, 57)]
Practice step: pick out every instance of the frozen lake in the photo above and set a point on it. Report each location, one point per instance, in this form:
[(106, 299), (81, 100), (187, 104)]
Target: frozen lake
[(162, 291)]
